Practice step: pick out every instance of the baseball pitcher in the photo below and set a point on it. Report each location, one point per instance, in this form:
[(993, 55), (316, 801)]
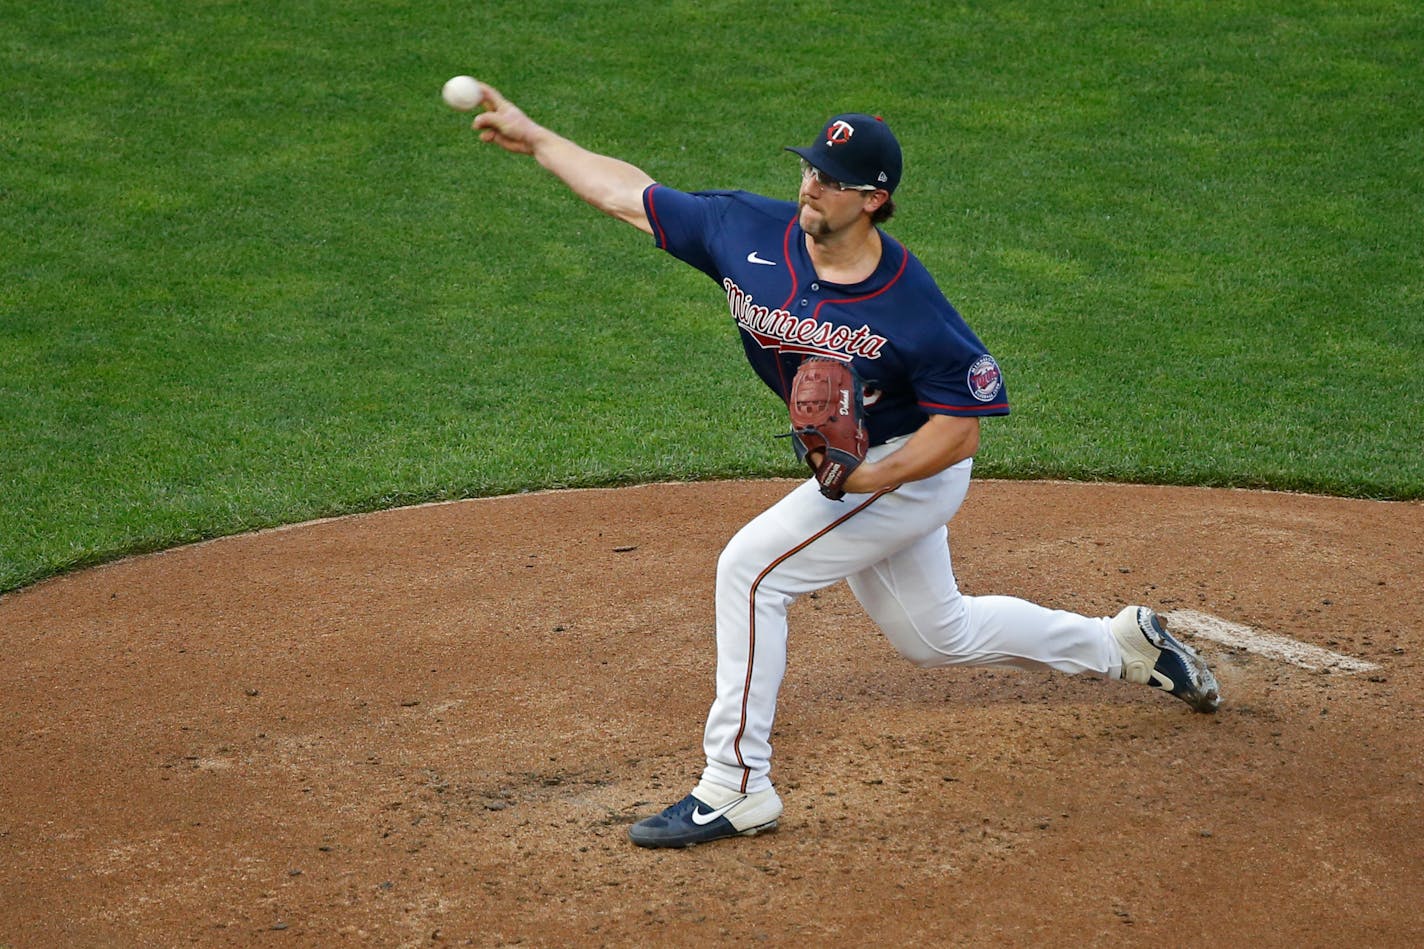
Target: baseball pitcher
[(885, 386)]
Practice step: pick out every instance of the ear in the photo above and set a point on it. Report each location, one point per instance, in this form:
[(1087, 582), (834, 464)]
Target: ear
[(874, 200)]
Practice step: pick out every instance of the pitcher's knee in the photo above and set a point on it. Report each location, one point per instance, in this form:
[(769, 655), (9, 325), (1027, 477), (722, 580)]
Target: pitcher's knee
[(751, 558), (735, 569), (942, 644), (927, 657), (927, 652)]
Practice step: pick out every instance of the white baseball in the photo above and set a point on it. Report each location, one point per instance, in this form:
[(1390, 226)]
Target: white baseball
[(462, 93)]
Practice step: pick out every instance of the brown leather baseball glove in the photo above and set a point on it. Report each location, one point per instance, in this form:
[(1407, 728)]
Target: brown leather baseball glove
[(828, 421)]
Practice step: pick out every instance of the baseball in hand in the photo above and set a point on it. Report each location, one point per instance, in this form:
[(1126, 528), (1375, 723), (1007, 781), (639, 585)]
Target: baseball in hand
[(462, 93)]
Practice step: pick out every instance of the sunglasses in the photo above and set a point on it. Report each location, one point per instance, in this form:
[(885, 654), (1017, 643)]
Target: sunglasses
[(825, 181)]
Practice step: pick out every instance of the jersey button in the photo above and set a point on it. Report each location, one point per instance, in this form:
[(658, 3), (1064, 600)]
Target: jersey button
[(815, 286)]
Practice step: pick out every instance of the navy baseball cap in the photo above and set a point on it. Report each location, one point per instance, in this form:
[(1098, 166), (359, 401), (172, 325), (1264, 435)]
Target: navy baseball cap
[(856, 149)]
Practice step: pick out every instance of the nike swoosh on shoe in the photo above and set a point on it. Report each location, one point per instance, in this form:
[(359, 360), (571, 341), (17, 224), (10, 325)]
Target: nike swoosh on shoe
[(702, 820)]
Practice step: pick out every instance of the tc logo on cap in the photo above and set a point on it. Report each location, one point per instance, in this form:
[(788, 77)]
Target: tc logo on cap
[(839, 132)]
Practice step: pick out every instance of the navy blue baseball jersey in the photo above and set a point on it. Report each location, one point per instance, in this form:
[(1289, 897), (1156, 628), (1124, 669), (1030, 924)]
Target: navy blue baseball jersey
[(905, 340)]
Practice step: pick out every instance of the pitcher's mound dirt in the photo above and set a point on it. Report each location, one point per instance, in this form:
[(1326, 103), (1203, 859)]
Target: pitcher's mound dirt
[(432, 726)]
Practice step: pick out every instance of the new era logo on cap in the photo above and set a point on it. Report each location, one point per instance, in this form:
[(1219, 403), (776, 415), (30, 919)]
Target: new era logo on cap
[(856, 149)]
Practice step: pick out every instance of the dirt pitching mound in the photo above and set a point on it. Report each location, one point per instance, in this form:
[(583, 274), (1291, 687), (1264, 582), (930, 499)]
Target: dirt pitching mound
[(432, 726)]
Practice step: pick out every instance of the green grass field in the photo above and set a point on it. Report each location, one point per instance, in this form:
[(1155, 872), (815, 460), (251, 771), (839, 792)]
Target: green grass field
[(255, 272)]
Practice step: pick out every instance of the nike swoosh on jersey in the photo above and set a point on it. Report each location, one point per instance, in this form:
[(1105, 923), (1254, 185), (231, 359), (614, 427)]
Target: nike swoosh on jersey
[(752, 258), (701, 819)]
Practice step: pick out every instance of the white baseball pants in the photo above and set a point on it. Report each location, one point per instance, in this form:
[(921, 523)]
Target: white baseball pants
[(893, 551)]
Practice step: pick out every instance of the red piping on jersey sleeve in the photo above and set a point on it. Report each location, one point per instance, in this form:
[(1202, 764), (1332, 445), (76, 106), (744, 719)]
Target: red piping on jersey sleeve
[(659, 234), (975, 408)]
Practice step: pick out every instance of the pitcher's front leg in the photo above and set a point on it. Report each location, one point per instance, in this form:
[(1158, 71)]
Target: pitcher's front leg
[(802, 543), (753, 596)]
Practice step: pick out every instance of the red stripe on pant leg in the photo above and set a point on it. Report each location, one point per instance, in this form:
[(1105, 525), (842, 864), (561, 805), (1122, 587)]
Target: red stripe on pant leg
[(751, 621)]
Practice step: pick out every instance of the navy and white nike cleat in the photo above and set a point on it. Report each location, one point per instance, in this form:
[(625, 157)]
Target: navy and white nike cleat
[(695, 821), (1152, 656)]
